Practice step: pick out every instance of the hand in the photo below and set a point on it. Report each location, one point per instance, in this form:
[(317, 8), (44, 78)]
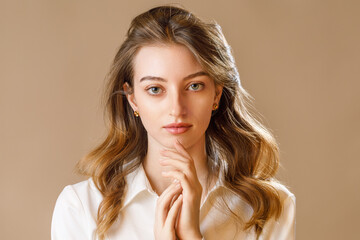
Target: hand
[(165, 219), (183, 169)]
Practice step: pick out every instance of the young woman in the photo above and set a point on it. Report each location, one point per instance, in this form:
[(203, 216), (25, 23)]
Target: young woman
[(184, 157)]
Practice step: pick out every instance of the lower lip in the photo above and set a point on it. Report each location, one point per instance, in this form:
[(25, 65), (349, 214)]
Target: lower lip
[(177, 130)]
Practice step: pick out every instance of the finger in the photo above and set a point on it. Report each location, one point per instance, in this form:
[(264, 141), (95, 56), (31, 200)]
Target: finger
[(171, 219), (163, 202), (174, 155), (185, 167), (175, 197), (181, 149), (186, 185)]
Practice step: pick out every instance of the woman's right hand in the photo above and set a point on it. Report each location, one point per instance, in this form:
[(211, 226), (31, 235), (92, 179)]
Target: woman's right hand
[(167, 208)]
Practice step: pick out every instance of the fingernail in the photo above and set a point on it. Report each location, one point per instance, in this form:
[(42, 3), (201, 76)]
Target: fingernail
[(175, 180)]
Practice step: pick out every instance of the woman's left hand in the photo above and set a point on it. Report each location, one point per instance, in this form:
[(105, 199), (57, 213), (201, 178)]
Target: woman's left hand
[(183, 169)]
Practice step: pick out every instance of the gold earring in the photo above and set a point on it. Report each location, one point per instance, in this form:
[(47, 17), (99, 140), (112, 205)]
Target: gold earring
[(215, 106), (136, 113)]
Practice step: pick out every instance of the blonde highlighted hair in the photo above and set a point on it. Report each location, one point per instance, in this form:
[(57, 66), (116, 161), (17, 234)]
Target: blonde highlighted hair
[(234, 138)]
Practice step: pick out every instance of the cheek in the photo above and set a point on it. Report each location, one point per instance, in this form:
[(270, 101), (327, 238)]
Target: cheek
[(142, 101), (202, 110), (146, 110), (148, 114)]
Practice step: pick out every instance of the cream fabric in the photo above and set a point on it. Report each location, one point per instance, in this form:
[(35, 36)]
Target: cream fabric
[(76, 208)]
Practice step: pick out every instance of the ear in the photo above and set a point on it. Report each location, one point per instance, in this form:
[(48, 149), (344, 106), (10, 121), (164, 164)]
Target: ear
[(218, 93), (130, 95)]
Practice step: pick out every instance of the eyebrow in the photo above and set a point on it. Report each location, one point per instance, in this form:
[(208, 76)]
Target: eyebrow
[(201, 73)]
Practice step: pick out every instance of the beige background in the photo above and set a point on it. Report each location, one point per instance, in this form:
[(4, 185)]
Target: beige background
[(298, 59)]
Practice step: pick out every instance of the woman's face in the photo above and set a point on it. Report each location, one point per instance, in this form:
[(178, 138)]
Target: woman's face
[(170, 87)]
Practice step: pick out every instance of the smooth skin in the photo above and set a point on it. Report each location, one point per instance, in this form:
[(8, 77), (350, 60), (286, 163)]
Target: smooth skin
[(188, 226), (170, 86), (167, 212)]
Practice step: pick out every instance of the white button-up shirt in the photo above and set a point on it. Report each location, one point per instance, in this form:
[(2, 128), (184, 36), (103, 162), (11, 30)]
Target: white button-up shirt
[(76, 210)]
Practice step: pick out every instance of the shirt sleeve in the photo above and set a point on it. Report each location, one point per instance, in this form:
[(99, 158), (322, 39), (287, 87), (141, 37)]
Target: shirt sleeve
[(284, 227), (68, 221)]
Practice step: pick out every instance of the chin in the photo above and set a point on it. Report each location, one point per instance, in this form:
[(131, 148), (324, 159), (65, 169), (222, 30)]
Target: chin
[(169, 143)]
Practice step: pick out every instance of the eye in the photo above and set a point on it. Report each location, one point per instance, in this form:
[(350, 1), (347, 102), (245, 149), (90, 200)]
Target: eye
[(196, 86), (153, 90)]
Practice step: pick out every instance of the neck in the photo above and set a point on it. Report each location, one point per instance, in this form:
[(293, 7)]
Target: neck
[(153, 168)]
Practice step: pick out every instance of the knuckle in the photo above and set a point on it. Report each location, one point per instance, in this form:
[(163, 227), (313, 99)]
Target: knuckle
[(183, 176), (188, 165)]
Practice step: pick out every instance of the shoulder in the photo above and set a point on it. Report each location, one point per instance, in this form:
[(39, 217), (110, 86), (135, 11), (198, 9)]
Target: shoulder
[(287, 199), (283, 191), (75, 211), (284, 226), (84, 193), (83, 189)]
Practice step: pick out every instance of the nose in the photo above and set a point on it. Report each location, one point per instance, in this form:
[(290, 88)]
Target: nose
[(177, 104)]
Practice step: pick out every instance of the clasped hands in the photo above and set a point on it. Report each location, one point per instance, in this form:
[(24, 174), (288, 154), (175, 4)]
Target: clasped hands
[(178, 207)]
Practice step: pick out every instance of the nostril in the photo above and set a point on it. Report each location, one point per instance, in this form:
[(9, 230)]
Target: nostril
[(178, 105)]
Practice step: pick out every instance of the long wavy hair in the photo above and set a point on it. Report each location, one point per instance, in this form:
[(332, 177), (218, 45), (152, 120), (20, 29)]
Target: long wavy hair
[(235, 139)]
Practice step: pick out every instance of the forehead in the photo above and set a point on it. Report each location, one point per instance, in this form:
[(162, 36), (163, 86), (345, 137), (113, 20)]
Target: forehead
[(167, 61)]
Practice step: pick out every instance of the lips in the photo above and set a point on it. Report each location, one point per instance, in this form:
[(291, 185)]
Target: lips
[(178, 125), (177, 128)]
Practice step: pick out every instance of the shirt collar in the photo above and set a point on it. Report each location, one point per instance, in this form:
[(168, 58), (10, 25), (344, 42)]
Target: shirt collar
[(219, 184), (138, 182)]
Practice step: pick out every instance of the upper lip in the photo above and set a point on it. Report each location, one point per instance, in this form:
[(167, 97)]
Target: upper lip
[(177, 125)]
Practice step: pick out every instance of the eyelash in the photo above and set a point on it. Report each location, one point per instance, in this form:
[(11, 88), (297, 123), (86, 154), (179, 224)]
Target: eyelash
[(201, 85)]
